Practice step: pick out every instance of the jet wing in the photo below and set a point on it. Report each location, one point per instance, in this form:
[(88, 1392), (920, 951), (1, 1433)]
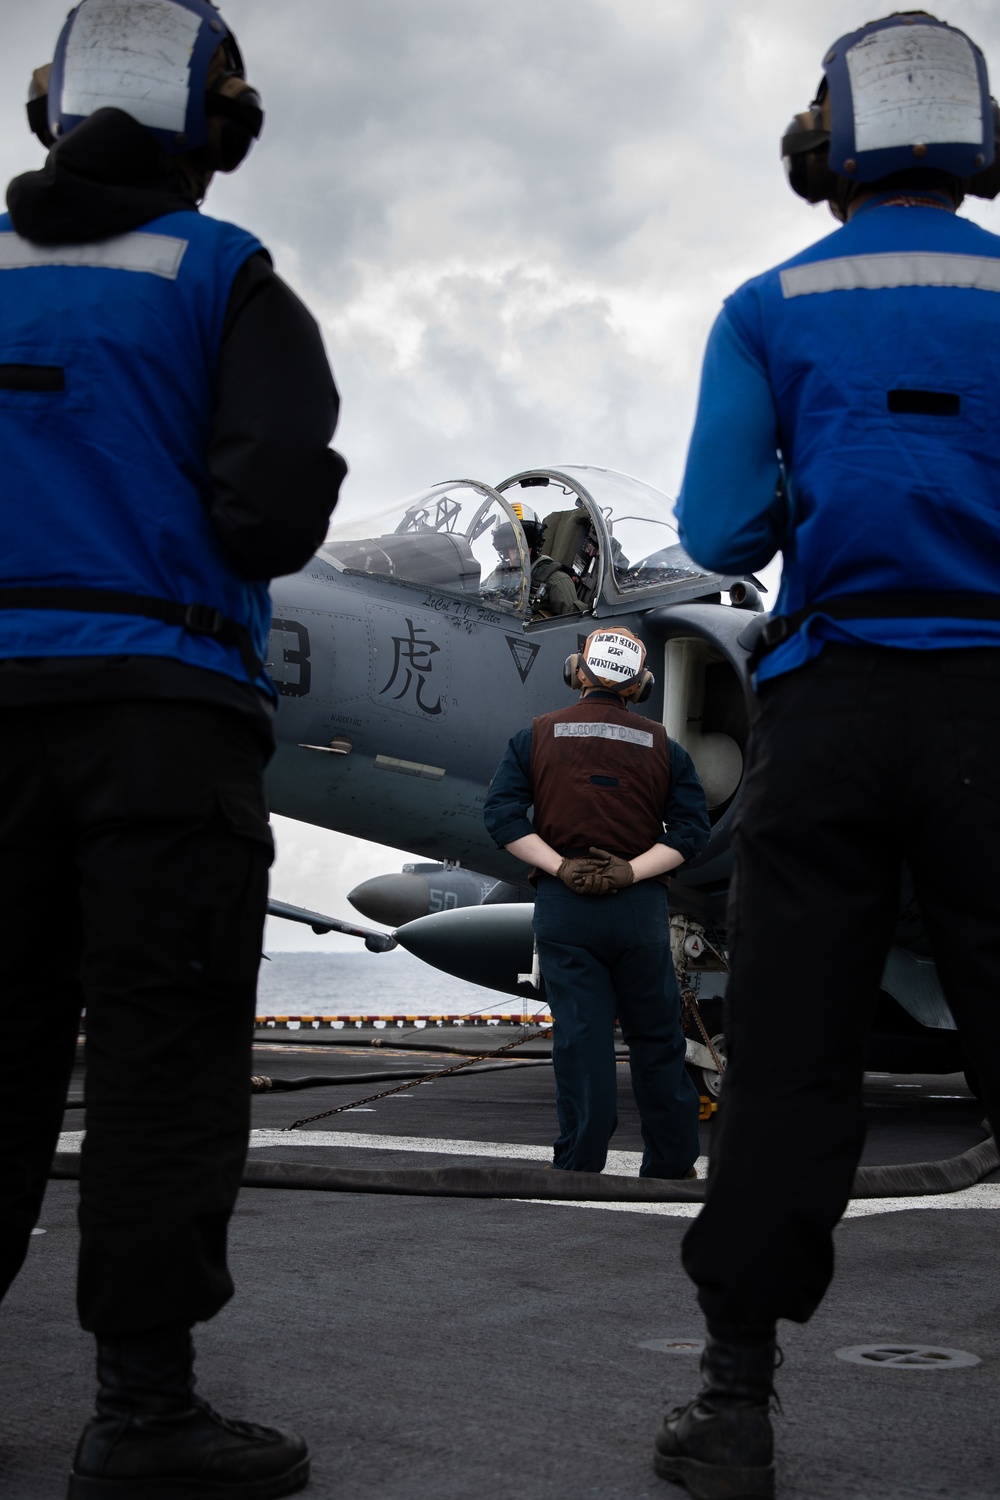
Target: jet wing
[(375, 942)]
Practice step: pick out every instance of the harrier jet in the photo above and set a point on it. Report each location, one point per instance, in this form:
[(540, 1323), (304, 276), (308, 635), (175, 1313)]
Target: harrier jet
[(407, 652)]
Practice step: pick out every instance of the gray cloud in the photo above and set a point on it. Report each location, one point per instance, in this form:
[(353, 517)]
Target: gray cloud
[(515, 223)]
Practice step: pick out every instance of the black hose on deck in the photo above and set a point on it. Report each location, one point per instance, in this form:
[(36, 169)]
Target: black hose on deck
[(404, 1042), (269, 1085), (320, 1081), (914, 1180)]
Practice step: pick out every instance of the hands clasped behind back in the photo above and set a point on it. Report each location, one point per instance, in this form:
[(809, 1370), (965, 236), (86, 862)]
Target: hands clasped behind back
[(602, 874)]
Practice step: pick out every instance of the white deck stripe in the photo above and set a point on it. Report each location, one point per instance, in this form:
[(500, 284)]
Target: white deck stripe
[(620, 1163), (853, 273), (983, 1195), (154, 254)]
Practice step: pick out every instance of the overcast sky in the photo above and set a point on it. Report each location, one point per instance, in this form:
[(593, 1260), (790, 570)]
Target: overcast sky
[(515, 224)]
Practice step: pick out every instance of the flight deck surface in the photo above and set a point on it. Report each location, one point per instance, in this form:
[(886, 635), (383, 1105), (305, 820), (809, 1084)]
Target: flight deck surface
[(441, 1349)]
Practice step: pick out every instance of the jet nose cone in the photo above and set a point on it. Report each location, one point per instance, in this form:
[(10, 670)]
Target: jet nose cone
[(391, 899), (487, 945)]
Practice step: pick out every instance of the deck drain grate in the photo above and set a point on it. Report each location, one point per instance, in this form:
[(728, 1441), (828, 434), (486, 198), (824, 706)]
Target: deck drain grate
[(674, 1346), (907, 1357)]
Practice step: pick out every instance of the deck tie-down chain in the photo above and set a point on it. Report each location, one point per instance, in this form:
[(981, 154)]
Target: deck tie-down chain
[(690, 1011), (414, 1083)]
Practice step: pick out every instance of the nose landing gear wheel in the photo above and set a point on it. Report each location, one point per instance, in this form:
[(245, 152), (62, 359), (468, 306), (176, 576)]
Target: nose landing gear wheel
[(711, 1082)]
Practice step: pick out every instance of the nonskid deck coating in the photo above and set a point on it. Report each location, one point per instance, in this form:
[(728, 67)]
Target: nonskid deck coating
[(443, 1348)]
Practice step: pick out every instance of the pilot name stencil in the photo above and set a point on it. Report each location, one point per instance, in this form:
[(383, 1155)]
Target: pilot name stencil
[(410, 668), (524, 653), (459, 613)]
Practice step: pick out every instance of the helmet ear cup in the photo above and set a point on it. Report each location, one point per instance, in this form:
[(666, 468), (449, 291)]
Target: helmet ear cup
[(233, 126), (38, 119), (571, 670), (645, 685), (986, 184), (805, 149), (38, 105)]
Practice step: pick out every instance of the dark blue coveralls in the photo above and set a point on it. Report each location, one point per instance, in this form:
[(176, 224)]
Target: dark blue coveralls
[(602, 956)]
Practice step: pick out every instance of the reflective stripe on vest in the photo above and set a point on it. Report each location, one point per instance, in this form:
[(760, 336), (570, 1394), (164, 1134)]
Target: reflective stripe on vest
[(852, 273), (155, 254)]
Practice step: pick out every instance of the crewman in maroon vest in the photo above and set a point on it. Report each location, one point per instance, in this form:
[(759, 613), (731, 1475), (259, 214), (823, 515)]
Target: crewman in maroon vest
[(617, 805)]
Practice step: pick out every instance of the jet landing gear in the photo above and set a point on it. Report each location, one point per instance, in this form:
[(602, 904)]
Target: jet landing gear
[(698, 961), (701, 1065)]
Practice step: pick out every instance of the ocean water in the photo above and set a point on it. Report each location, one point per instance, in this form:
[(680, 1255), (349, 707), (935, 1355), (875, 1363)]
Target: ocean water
[(371, 984)]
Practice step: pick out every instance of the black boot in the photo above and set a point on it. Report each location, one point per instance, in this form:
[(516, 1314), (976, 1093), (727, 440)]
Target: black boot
[(154, 1439), (720, 1445)]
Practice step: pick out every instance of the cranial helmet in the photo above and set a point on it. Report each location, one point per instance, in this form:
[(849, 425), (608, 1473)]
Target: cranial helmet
[(613, 659), (173, 65), (904, 95), (503, 536)]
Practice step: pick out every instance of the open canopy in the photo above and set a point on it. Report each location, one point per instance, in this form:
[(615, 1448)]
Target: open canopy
[(613, 534), (459, 537)]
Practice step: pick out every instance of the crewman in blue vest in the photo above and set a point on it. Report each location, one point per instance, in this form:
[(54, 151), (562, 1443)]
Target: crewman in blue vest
[(166, 408), (616, 806), (864, 374)]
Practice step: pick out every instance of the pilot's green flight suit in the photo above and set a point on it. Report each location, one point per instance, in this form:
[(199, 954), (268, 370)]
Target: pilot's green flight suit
[(553, 591)]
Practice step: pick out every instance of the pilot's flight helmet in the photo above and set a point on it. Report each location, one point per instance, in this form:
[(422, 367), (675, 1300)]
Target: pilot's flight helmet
[(906, 98), (612, 658), (173, 65), (503, 536)]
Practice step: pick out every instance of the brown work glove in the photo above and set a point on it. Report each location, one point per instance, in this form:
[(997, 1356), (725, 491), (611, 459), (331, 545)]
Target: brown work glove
[(608, 875), (573, 872)]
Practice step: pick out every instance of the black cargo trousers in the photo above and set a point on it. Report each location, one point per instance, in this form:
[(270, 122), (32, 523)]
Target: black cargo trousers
[(134, 851), (861, 759)]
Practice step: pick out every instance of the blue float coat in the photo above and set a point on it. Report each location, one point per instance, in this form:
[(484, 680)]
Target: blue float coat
[(798, 370), (105, 482)]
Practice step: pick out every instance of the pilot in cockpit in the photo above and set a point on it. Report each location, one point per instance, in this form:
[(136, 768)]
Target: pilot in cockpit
[(552, 589)]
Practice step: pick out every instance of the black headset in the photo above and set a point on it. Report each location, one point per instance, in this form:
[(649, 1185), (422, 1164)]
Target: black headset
[(233, 124), (237, 122), (805, 150)]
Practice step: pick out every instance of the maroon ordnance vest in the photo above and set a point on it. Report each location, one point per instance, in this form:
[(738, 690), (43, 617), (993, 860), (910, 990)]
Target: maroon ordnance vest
[(600, 776)]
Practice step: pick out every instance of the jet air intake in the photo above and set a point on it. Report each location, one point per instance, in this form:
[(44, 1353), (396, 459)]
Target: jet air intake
[(705, 708), (717, 757)]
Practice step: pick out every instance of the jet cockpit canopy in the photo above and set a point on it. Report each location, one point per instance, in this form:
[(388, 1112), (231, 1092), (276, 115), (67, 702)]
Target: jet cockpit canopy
[(460, 537), (614, 536), (614, 533)]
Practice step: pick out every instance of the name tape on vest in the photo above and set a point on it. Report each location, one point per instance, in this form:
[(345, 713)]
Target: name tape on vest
[(577, 731), (155, 254), (875, 273)]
